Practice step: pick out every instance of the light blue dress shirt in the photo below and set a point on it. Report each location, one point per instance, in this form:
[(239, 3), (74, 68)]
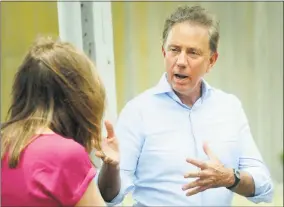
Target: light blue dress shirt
[(157, 132)]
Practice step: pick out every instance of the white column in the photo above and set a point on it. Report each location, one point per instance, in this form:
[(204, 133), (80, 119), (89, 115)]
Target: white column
[(69, 21), (103, 34), (95, 37), (88, 25)]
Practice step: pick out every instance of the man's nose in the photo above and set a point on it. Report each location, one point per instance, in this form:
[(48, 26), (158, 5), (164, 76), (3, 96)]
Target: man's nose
[(182, 60)]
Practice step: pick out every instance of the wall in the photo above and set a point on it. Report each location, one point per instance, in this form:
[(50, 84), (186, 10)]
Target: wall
[(21, 22)]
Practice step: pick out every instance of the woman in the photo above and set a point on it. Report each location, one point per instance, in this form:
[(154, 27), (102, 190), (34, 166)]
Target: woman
[(58, 102)]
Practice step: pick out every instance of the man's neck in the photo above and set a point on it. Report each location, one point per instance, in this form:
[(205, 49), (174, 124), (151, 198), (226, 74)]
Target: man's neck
[(192, 97)]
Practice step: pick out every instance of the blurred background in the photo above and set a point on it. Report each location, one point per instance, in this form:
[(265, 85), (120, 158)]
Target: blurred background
[(250, 63)]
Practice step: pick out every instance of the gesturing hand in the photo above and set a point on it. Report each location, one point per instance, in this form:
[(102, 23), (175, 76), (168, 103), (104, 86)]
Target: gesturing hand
[(110, 149), (212, 174)]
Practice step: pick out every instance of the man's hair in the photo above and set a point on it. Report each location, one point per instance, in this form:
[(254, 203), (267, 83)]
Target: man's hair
[(56, 87), (194, 15)]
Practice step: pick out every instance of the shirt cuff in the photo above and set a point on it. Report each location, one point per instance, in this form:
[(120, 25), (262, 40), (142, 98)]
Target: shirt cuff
[(117, 200), (263, 186)]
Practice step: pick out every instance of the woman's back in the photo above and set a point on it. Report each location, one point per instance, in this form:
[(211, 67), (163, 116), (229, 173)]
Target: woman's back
[(52, 171), (58, 89)]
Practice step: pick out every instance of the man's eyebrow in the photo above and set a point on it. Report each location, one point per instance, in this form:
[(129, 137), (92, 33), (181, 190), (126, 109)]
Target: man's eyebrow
[(173, 45), (199, 50), (195, 49)]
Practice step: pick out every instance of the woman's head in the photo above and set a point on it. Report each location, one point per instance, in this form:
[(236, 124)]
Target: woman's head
[(56, 87)]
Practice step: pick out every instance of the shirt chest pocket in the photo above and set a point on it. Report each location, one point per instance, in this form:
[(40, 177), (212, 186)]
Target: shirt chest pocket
[(222, 139), (227, 151)]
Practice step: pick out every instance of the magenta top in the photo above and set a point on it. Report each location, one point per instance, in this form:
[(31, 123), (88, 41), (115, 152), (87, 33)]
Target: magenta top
[(52, 171)]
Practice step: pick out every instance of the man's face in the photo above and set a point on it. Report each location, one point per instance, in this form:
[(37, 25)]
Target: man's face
[(187, 56)]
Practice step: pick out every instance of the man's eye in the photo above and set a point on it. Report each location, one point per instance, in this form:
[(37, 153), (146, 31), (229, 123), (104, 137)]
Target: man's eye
[(174, 49)]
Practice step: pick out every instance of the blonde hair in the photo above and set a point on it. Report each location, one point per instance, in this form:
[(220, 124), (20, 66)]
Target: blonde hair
[(56, 87)]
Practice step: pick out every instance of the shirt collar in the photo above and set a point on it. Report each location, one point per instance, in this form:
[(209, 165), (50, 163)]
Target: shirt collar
[(164, 87)]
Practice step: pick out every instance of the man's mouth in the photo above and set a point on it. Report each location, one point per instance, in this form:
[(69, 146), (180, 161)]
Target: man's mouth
[(179, 76)]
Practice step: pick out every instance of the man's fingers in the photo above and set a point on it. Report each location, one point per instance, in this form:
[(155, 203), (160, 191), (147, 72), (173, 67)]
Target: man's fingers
[(195, 174), (197, 183), (99, 154), (108, 160), (191, 185), (105, 159), (109, 128), (196, 190), (197, 163), (113, 162), (110, 139)]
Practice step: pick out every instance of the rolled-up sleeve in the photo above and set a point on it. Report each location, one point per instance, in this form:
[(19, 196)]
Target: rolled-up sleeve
[(263, 186), (252, 162)]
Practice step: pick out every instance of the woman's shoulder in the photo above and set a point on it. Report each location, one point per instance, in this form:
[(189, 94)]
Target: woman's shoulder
[(59, 166), (56, 149)]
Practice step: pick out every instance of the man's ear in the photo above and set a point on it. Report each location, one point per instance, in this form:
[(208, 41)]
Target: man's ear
[(163, 51), (212, 60)]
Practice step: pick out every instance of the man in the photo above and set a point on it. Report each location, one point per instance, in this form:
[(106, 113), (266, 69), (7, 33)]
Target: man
[(183, 142)]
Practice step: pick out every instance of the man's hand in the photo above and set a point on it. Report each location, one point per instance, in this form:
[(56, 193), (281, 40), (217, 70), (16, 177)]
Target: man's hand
[(212, 174), (110, 149), (109, 178)]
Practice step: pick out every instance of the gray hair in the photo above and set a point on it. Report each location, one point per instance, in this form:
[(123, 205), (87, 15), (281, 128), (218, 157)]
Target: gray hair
[(195, 15)]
